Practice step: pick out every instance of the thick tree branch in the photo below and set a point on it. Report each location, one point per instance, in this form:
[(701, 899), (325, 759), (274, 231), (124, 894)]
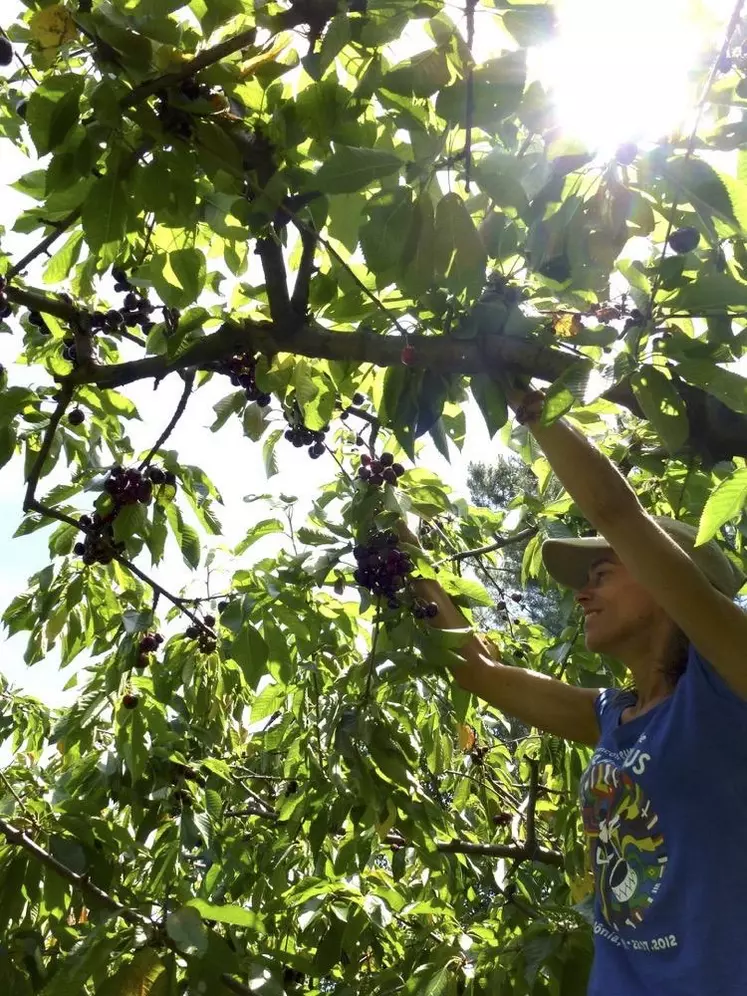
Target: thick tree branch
[(499, 544), (717, 430), (189, 381), (270, 253), (300, 297)]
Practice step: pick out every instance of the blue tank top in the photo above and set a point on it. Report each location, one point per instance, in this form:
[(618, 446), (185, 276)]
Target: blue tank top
[(664, 806)]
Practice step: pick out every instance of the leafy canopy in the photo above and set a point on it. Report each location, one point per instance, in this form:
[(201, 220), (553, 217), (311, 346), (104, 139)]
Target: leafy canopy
[(281, 789)]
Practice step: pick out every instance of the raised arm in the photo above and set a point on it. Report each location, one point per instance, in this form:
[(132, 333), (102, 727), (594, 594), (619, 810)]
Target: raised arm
[(536, 699), (715, 625)]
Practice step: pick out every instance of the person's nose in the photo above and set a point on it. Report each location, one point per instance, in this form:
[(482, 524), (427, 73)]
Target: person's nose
[(582, 595)]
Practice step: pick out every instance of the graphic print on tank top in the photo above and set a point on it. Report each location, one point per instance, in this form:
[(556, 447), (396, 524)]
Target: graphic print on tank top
[(627, 850)]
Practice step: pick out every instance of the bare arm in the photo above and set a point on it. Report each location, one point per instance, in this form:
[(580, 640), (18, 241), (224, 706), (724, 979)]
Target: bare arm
[(712, 622), (537, 700)]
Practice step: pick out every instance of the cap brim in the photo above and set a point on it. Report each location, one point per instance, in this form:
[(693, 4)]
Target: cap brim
[(568, 560)]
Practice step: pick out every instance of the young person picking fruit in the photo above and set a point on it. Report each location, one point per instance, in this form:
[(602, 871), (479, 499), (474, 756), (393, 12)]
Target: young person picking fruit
[(664, 798)]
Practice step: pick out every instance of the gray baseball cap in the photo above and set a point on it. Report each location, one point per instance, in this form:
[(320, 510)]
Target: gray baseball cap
[(569, 560)]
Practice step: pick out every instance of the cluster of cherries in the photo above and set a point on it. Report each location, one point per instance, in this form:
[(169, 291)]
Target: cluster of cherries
[(147, 646), (379, 471), (128, 487), (384, 570), (5, 308), (299, 435), (136, 308), (242, 370), (99, 546), (125, 487), (204, 634)]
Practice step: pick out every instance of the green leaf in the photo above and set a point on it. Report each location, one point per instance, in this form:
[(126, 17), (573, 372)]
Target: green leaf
[(498, 88), (420, 76), (710, 292), (255, 421), (64, 259), (236, 915), (226, 407), (187, 931), (662, 406), (190, 270), (382, 237), (249, 650), (256, 532), (460, 256), (726, 385), (268, 452), (53, 109), (491, 401), (725, 503), (190, 545), (709, 192), (531, 25), (144, 975), (439, 983), (105, 212), (87, 959), (349, 169)]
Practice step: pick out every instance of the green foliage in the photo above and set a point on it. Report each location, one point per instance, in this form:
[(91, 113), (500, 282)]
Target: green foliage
[(283, 795)]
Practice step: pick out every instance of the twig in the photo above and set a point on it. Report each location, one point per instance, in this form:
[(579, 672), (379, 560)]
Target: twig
[(22, 805), (189, 380), (372, 656), (32, 481), (253, 811), (81, 882), (516, 851), (302, 226), (498, 544), (339, 464), (207, 58), (43, 246), (176, 600), (96, 895)]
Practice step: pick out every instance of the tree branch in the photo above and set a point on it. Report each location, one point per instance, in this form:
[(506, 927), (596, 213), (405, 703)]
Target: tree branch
[(95, 895), (516, 851), (81, 882), (270, 253), (207, 58), (531, 841), (189, 381), (300, 298), (499, 544), (44, 245), (719, 430), (32, 481)]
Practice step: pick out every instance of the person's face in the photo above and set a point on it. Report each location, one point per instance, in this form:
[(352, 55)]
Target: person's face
[(616, 608)]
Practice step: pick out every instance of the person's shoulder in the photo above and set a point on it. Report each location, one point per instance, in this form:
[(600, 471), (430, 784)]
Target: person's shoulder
[(708, 683), (609, 704)]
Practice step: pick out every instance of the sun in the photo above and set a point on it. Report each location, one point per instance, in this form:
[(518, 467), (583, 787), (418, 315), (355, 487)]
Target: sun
[(626, 70)]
